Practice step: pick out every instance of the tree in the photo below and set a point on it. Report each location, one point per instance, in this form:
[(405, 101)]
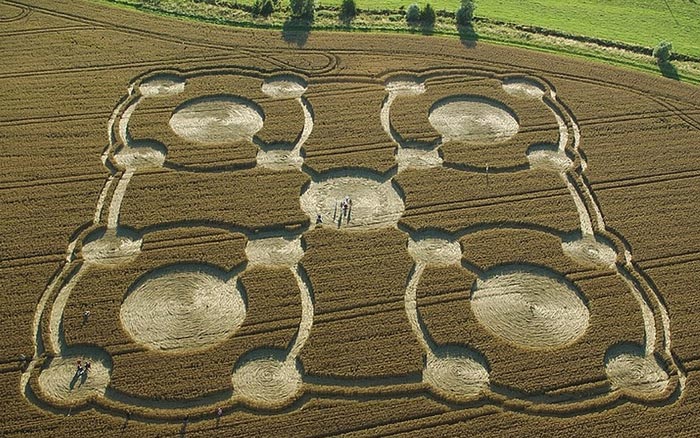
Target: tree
[(303, 8), (662, 52), (348, 10), (413, 14), (263, 7), (428, 15), (465, 13)]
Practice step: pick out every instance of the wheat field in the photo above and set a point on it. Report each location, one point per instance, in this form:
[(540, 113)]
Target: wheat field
[(361, 235)]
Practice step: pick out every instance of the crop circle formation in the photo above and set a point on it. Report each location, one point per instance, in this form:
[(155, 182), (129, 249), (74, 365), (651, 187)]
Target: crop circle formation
[(530, 309), (216, 119), (473, 119), (264, 226), (182, 309)]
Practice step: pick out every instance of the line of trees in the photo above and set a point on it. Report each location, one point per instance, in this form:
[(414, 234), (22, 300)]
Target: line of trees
[(426, 16), (299, 9), (306, 9)]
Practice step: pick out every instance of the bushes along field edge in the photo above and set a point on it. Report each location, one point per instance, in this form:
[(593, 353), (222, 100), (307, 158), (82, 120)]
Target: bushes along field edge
[(146, 5)]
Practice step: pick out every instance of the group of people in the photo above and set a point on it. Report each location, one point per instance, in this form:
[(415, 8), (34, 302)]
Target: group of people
[(345, 208), (83, 368), (346, 205)]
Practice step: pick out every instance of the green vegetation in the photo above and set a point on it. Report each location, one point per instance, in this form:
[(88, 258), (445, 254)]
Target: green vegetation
[(640, 22), (465, 13), (413, 14), (662, 52), (348, 10), (302, 9), (328, 17), (263, 7), (427, 15)]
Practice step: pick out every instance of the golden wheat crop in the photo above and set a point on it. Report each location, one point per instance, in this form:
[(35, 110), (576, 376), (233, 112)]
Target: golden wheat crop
[(364, 235)]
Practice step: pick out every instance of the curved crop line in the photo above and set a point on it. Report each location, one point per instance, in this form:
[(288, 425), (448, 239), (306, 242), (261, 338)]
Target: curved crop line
[(646, 307), (307, 312), (308, 124), (57, 310), (23, 12), (411, 307)]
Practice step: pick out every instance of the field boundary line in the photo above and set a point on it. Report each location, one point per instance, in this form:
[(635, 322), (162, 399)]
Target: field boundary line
[(31, 260), (14, 33), (645, 180), (119, 66), (53, 119), (632, 117), (486, 202), (676, 259), (51, 181)]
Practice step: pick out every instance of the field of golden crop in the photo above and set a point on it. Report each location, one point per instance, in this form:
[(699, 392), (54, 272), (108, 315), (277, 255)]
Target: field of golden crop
[(520, 255)]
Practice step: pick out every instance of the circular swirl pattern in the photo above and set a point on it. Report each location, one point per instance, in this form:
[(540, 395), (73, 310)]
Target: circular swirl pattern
[(112, 249), (530, 307), (456, 378), (636, 374), (176, 309), (217, 119), (473, 119), (62, 382), (267, 382)]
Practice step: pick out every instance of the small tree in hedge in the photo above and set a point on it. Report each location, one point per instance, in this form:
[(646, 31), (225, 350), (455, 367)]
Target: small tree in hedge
[(662, 52), (263, 7), (303, 8), (413, 14), (348, 10), (465, 13), (428, 15)]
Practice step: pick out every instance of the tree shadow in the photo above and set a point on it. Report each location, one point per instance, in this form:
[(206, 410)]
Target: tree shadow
[(427, 28), (668, 70), (296, 31), (346, 19), (467, 35)]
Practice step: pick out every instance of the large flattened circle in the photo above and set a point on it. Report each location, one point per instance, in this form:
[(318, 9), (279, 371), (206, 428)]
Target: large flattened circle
[(473, 119), (183, 308), (217, 119), (530, 307)]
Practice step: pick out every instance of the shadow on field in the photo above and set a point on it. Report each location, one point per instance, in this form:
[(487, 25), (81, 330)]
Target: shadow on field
[(296, 31), (468, 36), (668, 70)]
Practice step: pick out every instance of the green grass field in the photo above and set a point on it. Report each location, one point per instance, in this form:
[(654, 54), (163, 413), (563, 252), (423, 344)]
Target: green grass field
[(642, 22)]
